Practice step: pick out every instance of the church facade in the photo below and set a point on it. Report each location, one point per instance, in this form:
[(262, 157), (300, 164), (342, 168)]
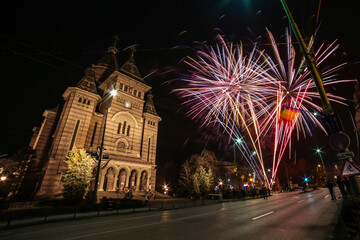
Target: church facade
[(130, 136)]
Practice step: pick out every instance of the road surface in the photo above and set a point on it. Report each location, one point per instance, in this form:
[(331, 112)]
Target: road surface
[(283, 216)]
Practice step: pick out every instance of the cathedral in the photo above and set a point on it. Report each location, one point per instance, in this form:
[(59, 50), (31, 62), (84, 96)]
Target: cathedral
[(129, 120)]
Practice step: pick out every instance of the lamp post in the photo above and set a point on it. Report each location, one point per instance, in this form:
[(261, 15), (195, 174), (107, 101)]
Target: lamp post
[(252, 155), (237, 141), (318, 151), (100, 155)]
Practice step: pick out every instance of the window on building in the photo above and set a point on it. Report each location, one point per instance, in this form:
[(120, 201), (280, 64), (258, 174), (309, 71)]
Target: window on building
[(119, 128), (121, 86), (93, 136), (74, 134), (121, 146), (139, 94), (125, 88), (88, 102), (124, 128), (80, 99), (128, 131), (148, 153), (135, 92), (84, 101)]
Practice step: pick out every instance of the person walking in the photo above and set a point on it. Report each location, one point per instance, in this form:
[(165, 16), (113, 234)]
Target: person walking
[(341, 185), (130, 193), (264, 192), (331, 189), (146, 198), (347, 185)]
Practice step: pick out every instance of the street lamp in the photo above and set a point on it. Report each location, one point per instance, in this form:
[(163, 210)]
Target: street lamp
[(112, 93), (318, 151), (251, 158), (306, 180)]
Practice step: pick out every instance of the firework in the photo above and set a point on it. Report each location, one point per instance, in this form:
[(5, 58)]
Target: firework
[(251, 96), (294, 105), (230, 88)]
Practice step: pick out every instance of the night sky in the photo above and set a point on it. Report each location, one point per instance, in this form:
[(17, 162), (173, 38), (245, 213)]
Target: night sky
[(45, 47)]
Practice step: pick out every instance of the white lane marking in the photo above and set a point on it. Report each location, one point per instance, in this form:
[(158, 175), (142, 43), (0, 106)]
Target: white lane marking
[(262, 215), (327, 196), (300, 201)]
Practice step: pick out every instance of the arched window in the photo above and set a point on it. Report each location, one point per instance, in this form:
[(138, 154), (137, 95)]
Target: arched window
[(119, 128), (121, 146), (128, 131), (124, 127)]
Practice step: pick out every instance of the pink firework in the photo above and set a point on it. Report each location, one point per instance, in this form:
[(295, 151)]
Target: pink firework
[(295, 107), (232, 89)]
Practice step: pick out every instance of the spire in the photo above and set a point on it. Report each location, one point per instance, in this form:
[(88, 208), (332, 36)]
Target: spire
[(88, 81), (109, 60), (130, 68), (113, 48), (149, 105)]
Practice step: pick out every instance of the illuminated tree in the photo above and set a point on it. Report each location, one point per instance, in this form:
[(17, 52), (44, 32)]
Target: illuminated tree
[(206, 180), (77, 178), (186, 178), (196, 174)]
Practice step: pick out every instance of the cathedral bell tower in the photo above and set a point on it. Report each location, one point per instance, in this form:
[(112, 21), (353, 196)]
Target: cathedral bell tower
[(72, 128)]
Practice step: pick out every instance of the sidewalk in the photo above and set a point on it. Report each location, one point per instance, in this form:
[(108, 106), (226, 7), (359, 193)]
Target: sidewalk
[(12, 223)]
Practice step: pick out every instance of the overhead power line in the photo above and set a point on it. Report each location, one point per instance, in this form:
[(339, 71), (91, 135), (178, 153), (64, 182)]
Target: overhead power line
[(45, 53)]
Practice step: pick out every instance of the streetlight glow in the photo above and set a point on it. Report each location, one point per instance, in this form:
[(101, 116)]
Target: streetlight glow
[(3, 178), (113, 92)]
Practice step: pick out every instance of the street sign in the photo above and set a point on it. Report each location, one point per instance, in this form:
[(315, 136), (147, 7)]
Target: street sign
[(345, 155), (332, 124), (339, 141), (349, 169)]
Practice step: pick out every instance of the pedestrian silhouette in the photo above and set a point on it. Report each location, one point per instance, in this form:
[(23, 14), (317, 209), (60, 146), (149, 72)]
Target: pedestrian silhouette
[(264, 192), (331, 189), (341, 185), (347, 184)]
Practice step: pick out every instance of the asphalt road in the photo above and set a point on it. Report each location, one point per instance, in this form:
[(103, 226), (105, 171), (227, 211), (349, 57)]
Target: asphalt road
[(283, 216)]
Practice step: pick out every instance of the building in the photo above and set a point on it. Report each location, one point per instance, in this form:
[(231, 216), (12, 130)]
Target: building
[(130, 137)]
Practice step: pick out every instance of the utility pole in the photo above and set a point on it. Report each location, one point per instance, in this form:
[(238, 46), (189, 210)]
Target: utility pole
[(331, 121)]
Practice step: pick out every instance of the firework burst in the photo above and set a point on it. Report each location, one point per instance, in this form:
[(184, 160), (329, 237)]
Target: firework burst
[(250, 96), (294, 106), (226, 87)]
